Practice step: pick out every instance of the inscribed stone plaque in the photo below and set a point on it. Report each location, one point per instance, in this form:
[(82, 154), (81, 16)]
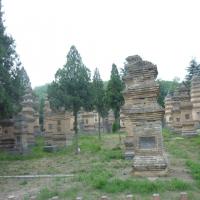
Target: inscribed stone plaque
[(147, 142)]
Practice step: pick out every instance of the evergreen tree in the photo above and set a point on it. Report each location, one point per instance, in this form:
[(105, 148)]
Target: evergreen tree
[(166, 87), (55, 93), (99, 98), (11, 87), (193, 69), (72, 84), (114, 94)]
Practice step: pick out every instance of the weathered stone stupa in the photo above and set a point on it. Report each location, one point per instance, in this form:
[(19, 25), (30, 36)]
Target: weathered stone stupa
[(57, 127), (168, 110), (182, 109), (188, 125), (26, 122), (142, 116), (195, 99)]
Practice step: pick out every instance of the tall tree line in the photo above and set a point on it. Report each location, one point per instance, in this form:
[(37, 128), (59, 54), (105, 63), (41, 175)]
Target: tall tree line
[(74, 90), (13, 77)]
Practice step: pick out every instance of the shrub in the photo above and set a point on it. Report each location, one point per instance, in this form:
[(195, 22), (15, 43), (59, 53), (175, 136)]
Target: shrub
[(115, 127)]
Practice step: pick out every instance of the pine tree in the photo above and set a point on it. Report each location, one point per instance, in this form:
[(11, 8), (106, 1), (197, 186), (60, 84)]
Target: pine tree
[(114, 95), (10, 74), (72, 83), (99, 98), (193, 69)]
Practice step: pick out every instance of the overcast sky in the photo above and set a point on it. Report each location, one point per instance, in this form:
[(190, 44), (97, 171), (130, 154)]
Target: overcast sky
[(165, 32)]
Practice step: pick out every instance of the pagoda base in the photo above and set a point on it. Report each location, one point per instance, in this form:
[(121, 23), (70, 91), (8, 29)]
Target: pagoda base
[(129, 155), (189, 133), (150, 166)]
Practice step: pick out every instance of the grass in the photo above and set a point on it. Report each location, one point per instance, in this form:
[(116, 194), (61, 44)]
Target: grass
[(100, 169), (195, 170), (46, 193), (102, 179), (36, 152)]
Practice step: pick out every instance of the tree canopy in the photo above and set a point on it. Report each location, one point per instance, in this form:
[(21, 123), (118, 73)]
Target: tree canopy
[(72, 87), (13, 78), (165, 88), (99, 97), (114, 92), (193, 69)]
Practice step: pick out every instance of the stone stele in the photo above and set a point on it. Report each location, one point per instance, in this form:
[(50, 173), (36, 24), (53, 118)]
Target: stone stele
[(143, 116)]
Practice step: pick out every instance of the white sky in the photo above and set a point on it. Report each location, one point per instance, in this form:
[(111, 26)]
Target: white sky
[(165, 32)]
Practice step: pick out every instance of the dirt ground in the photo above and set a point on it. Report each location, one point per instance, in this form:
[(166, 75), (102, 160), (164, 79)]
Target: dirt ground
[(68, 164)]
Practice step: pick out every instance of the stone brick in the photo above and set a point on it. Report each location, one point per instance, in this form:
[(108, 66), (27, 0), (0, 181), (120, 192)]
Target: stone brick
[(183, 196)]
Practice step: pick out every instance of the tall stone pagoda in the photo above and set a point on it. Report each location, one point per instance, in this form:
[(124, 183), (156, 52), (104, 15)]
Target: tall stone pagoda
[(142, 117), (195, 99)]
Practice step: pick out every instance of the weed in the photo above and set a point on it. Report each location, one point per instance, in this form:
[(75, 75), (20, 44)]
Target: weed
[(99, 178), (195, 170), (90, 144), (24, 182), (71, 192), (109, 154), (45, 194)]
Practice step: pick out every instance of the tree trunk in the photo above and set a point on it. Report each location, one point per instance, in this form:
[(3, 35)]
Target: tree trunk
[(99, 124), (77, 150), (120, 139), (103, 122), (117, 121)]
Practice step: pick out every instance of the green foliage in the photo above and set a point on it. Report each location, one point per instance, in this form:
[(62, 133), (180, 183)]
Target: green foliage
[(99, 97), (72, 84), (166, 87), (103, 180), (111, 154), (11, 75), (72, 192), (90, 144), (24, 182), (72, 88), (193, 69), (36, 152), (114, 92), (54, 95), (46, 194), (115, 127), (41, 91), (195, 170), (96, 177)]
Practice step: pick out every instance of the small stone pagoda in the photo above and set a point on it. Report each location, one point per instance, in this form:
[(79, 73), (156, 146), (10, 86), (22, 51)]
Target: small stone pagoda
[(58, 127), (182, 109), (18, 134), (142, 117)]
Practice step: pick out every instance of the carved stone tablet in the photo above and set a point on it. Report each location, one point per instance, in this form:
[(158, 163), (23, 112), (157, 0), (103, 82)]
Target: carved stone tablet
[(147, 142)]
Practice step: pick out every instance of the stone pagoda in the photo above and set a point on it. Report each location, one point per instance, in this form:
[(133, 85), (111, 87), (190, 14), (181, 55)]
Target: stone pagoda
[(176, 112), (188, 124), (195, 99), (26, 122), (168, 110), (142, 117), (58, 127), (182, 109)]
